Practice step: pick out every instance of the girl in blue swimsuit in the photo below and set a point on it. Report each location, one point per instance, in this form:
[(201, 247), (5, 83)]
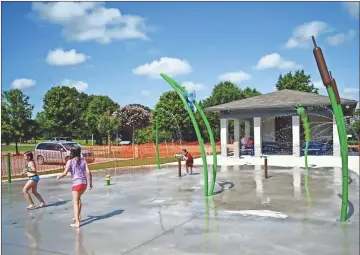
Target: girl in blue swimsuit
[(32, 183)]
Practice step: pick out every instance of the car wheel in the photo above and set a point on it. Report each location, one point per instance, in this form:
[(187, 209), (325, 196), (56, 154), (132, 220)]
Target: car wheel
[(40, 160)]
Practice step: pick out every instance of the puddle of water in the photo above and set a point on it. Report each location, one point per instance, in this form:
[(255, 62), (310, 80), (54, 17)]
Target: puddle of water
[(260, 213), (158, 201)]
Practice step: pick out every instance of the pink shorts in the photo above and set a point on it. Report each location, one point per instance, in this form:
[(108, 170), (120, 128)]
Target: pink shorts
[(79, 188)]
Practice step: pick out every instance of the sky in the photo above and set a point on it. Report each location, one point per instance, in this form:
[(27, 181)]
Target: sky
[(119, 49)]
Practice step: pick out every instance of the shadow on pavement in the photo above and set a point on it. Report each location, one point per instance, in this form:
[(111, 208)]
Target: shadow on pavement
[(223, 188), (91, 219)]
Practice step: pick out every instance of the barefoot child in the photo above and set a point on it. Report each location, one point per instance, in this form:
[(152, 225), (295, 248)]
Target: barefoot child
[(78, 168), (189, 161), (32, 183)]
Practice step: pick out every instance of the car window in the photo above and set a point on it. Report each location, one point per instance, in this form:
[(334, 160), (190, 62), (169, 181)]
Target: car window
[(44, 146), (70, 146), (40, 146), (58, 147)]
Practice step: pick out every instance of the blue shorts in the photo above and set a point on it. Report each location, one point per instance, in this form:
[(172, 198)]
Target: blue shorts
[(34, 178)]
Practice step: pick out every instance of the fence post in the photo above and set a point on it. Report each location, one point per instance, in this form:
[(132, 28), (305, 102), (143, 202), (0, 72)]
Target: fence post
[(167, 149), (8, 168)]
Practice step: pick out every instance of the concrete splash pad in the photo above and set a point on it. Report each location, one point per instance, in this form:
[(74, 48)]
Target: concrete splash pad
[(159, 213)]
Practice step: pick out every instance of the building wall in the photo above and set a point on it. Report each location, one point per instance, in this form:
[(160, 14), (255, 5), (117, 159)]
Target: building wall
[(268, 129), (321, 128)]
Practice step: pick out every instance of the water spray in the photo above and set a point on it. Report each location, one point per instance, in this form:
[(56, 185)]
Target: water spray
[(305, 121), (331, 87), (190, 105)]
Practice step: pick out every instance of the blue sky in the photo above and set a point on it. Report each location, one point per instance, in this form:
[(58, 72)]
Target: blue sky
[(118, 49)]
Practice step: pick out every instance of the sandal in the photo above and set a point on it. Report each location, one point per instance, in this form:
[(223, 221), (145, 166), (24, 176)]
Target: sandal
[(43, 204), (31, 207)]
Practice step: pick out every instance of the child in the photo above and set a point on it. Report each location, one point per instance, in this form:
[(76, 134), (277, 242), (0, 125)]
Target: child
[(32, 183), (78, 169), (189, 161)]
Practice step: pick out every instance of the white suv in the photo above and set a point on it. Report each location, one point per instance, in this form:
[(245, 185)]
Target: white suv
[(59, 152)]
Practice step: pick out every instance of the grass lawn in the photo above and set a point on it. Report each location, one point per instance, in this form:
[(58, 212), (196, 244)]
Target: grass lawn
[(113, 164), (22, 148)]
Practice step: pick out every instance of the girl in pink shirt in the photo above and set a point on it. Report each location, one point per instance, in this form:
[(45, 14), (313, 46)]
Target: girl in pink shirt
[(78, 168)]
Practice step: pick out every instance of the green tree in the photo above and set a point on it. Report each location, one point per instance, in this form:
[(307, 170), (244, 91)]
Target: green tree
[(33, 130), (173, 117), (45, 125), (97, 106), (17, 112), (224, 92), (298, 81), (108, 124), (5, 122), (147, 135), (62, 111), (83, 132)]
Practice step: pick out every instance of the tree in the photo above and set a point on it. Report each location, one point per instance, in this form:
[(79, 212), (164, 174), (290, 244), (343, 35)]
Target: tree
[(299, 81), (62, 111), (109, 124), (96, 108), (133, 117), (224, 92), (355, 126), (17, 112), (142, 106), (32, 131), (147, 135), (45, 125), (173, 117), (84, 131)]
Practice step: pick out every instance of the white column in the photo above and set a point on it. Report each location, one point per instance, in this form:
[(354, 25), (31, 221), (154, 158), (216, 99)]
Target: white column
[(224, 137), (247, 129), (336, 141), (258, 176), (296, 135), (297, 182), (236, 138), (257, 136)]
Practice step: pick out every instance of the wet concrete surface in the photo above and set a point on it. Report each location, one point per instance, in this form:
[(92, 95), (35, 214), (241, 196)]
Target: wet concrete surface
[(158, 213)]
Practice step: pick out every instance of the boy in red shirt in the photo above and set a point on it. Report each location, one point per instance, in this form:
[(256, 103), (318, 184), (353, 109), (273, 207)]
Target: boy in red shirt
[(189, 161)]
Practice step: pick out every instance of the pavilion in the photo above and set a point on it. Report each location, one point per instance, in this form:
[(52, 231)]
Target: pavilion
[(271, 119)]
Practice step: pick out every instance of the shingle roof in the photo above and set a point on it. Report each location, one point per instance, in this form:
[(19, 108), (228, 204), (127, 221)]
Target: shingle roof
[(280, 99)]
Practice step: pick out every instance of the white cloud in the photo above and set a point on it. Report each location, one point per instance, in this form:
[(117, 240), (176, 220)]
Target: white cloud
[(59, 57), (351, 93), (301, 36), (274, 60), (319, 85), (351, 90), (235, 77), (340, 38), (23, 83), (169, 66), (91, 21), (353, 9), (192, 86), (79, 85), (145, 93)]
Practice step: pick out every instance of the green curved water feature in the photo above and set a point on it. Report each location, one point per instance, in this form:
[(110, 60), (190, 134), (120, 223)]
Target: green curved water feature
[(180, 90)]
